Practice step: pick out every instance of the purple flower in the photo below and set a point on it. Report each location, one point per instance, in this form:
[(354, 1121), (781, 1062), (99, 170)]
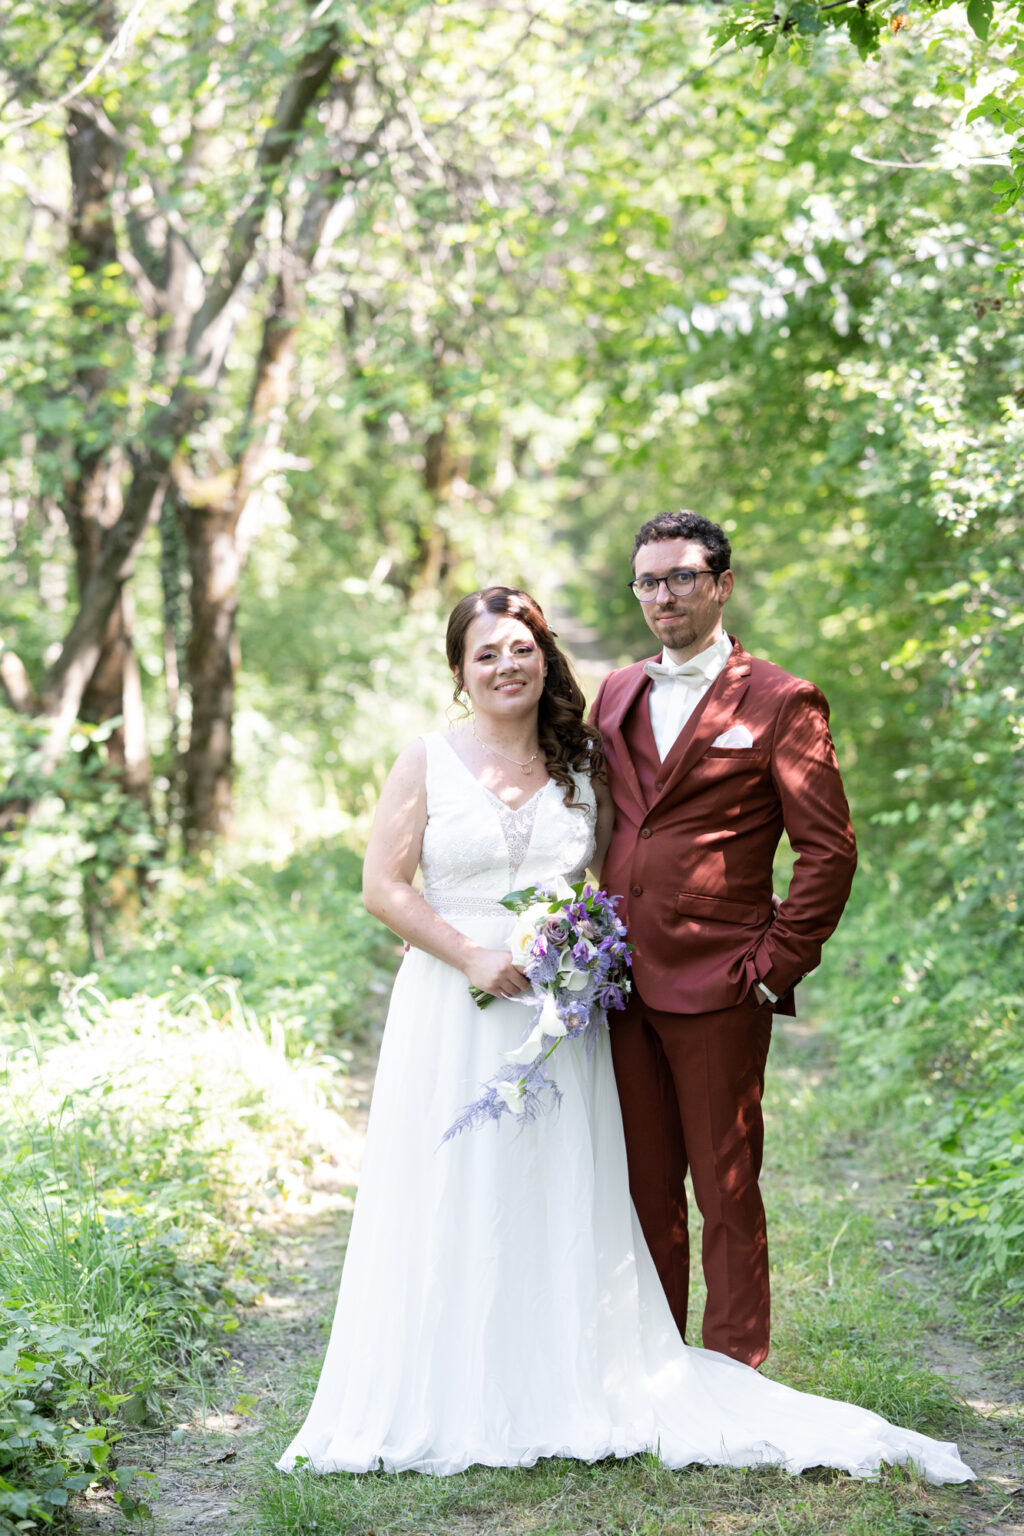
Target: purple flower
[(542, 968), (575, 1016), (601, 964)]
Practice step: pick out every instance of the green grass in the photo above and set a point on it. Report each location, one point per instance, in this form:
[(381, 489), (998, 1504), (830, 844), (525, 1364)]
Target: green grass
[(843, 1326), (926, 997), (632, 1498)]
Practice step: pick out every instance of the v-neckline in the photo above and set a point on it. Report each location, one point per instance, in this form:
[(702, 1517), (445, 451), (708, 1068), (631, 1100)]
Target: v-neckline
[(511, 810)]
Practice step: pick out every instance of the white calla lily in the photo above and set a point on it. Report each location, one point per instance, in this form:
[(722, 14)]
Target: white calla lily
[(530, 1048), (550, 1021), (512, 1096)]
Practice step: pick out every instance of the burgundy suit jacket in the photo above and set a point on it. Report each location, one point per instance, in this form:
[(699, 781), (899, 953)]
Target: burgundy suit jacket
[(695, 836)]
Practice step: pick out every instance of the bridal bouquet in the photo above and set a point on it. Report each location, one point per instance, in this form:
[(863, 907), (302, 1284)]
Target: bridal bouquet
[(573, 949)]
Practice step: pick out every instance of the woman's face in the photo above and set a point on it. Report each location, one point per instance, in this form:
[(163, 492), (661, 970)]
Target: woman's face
[(503, 667)]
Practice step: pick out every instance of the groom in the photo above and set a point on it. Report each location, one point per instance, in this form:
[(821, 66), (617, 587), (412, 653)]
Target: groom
[(711, 754)]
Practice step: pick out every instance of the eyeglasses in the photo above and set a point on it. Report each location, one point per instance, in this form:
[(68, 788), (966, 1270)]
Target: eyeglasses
[(679, 583)]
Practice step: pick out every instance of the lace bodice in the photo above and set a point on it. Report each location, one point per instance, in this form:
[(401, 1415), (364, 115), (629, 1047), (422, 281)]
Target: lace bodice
[(476, 849)]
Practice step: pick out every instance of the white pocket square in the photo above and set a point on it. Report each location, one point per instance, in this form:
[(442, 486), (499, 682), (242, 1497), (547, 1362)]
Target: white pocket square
[(736, 736)]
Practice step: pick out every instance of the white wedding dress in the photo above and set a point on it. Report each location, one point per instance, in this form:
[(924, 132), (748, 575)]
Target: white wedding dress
[(498, 1302)]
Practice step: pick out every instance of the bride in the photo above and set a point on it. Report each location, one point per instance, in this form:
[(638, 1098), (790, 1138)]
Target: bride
[(498, 1302)]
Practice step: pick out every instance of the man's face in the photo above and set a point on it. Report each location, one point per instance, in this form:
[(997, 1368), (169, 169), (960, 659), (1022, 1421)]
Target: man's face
[(685, 626)]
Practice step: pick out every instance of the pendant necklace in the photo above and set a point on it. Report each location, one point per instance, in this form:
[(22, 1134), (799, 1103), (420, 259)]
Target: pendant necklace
[(526, 767)]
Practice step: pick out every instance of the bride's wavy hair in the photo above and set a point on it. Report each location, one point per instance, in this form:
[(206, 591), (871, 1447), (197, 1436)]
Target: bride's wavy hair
[(566, 739)]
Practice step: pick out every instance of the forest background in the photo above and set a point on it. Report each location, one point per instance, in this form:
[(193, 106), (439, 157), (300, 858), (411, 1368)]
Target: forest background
[(307, 328)]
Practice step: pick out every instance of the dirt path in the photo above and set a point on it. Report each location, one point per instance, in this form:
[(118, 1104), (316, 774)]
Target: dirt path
[(994, 1445), (204, 1472)]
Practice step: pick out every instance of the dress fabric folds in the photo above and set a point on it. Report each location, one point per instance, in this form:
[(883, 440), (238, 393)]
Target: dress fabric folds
[(498, 1302)]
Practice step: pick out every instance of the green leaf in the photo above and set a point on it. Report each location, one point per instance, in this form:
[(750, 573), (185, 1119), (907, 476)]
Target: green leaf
[(986, 107), (979, 15), (806, 18), (864, 29)]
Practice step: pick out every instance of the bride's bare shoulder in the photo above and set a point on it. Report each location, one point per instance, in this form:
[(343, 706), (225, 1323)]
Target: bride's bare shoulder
[(407, 780)]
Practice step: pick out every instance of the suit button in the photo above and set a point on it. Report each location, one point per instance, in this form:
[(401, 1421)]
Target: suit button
[(636, 890), (659, 788), (645, 831)]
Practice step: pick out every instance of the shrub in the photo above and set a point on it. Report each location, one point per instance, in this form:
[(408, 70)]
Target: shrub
[(295, 942), (925, 992)]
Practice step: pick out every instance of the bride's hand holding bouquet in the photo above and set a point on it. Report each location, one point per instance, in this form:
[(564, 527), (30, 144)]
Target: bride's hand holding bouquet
[(494, 973)]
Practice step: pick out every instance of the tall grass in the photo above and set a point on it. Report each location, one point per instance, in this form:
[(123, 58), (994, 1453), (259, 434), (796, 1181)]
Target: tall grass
[(145, 1144)]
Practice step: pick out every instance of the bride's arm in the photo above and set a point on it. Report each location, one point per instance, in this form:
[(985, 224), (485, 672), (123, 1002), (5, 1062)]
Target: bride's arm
[(603, 830), (392, 856)]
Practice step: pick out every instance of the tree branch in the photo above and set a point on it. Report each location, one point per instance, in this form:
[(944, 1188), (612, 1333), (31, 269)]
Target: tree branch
[(312, 71), (16, 685), (680, 85), (117, 44), (30, 74)]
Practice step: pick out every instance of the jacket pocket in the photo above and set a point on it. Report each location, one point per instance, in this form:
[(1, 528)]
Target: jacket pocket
[(718, 909)]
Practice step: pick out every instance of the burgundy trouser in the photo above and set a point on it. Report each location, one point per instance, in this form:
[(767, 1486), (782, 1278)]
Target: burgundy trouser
[(690, 1086)]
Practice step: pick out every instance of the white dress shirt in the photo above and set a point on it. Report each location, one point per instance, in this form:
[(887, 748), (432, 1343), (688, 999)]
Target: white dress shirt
[(676, 690)]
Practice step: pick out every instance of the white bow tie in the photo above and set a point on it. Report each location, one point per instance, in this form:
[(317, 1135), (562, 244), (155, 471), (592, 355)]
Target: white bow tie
[(689, 672)]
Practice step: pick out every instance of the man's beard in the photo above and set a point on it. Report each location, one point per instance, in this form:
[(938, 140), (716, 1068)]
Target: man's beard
[(678, 633)]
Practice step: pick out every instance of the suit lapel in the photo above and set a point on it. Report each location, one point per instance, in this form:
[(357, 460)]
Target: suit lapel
[(710, 719), (611, 729)]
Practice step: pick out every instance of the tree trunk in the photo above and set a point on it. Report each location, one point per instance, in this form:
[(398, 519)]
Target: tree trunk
[(215, 564), (92, 492), (173, 558), (439, 468), (212, 511)]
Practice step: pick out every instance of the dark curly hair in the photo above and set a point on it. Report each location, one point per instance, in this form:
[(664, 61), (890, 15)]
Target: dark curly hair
[(686, 525), (566, 739)]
